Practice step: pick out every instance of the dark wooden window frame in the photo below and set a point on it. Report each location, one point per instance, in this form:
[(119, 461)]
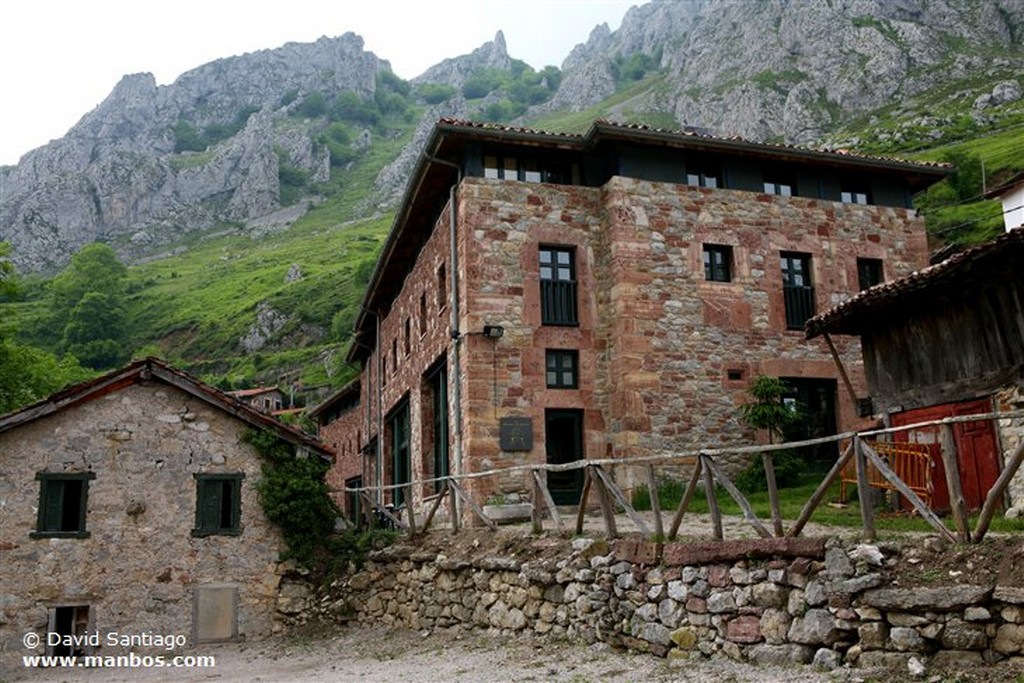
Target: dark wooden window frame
[(562, 362), (717, 262), (558, 301), (797, 288), (869, 272), (218, 504), (63, 501)]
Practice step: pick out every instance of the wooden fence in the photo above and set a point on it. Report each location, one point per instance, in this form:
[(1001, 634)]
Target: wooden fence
[(867, 450)]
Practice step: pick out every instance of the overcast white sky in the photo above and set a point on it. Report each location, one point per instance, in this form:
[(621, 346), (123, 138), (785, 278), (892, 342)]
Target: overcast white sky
[(61, 58)]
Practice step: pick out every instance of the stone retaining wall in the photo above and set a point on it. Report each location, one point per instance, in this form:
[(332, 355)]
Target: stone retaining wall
[(769, 601)]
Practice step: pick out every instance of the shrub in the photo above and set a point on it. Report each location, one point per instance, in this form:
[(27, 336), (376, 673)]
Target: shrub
[(788, 467)]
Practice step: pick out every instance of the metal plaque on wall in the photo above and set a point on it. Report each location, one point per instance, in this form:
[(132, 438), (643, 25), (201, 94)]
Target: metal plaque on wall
[(516, 434)]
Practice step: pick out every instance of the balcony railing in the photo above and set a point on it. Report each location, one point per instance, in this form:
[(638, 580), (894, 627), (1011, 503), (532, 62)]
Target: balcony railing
[(558, 302), (799, 306)]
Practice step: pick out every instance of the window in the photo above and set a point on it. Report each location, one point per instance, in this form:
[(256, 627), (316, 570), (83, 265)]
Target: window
[(394, 355), (529, 169), (797, 291), (558, 286), (408, 336), (869, 272), (717, 263), (423, 314), (702, 175), (71, 622), (779, 183), (218, 504), (383, 369), (562, 369), (63, 499), (442, 287), (854, 192)]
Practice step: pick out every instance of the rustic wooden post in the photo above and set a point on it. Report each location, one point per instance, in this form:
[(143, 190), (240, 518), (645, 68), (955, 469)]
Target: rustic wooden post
[(453, 506), (458, 490), (995, 494), (957, 505), (536, 512), (620, 497), (368, 506), (691, 489), (709, 492), (607, 508), (407, 492), (581, 511), (773, 491), (820, 492), (740, 499), (437, 503), (652, 486), (867, 512), (926, 512), (548, 500)]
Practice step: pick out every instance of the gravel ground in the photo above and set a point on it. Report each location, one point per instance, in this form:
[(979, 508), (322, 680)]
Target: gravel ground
[(371, 655)]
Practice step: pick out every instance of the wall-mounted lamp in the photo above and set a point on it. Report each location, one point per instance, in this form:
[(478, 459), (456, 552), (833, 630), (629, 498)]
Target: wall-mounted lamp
[(493, 331)]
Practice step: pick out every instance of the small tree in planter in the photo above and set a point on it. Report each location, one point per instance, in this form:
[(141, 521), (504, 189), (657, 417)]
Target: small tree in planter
[(768, 411)]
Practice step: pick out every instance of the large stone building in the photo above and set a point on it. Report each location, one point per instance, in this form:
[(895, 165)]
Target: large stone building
[(546, 298), (128, 505)]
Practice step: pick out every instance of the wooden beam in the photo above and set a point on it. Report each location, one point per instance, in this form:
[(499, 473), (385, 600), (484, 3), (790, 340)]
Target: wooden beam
[(368, 506), (925, 512), (709, 492), (536, 511), (684, 504), (995, 494), (842, 370), (741, 500), (957, 504), (621, 498), (867, 511), (812, 504), (652, 486), (581, 511)]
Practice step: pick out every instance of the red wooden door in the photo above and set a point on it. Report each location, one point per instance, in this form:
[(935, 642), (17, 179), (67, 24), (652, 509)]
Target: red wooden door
[(977, 456)]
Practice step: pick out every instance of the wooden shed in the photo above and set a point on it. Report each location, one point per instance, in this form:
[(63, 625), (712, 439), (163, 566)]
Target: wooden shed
[(941, 342)]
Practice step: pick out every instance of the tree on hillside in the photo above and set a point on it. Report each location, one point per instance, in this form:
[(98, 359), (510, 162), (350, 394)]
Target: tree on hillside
[(87, 305), (27, 374)]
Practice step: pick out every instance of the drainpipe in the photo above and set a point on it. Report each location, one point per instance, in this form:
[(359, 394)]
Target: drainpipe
[(380, 416), (456, 336)]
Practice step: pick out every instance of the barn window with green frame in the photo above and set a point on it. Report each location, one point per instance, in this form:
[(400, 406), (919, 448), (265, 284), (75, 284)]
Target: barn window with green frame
[(63, 500), (218, 505)]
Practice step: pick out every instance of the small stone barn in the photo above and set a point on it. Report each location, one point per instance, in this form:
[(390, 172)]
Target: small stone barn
[(128, 504), (945, 341)]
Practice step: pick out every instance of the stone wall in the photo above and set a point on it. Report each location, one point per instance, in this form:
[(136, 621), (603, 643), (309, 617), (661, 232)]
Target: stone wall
[(141, 565), (768, 601), (1011, 431)]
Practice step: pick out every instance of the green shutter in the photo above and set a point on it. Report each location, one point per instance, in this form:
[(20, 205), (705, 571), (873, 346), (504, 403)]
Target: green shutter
[(51, 502)]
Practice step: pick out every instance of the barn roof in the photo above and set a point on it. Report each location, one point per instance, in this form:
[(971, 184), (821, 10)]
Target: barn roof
[(861, 312)]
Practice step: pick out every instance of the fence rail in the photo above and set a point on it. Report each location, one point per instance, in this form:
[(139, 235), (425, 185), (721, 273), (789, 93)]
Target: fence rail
[(870, 454)]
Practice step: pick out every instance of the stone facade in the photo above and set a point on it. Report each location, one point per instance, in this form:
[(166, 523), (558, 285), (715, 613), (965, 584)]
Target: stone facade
[(139, 566), (773, 601), (664, 355), (1011, 433)]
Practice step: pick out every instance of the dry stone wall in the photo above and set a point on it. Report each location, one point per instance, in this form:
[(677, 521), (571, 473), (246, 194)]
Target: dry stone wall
[(766, 601)]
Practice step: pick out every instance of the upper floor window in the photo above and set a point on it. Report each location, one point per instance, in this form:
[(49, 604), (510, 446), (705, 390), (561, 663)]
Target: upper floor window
[(854, 192), (529, 169), (869, 272), (797, 290), (779, 183), (717, 263), (407, 342), (423, 313), (702, 175), (218, 504), (558, 286), (562, 369), (63, 499)]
